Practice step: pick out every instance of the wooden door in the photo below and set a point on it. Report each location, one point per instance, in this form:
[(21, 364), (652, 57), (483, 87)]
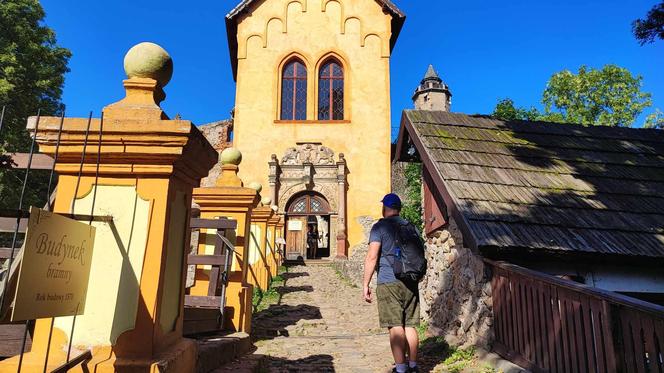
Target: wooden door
[(296, 237)]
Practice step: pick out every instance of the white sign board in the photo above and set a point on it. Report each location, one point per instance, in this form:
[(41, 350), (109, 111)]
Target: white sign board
[(295, 225)]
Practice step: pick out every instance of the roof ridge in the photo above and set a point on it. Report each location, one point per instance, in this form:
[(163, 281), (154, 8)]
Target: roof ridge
[(543, 122)]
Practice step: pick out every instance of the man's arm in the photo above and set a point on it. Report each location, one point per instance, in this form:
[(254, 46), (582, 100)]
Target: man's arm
[(369, 268)]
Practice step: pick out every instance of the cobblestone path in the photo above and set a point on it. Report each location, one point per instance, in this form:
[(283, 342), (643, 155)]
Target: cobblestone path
[(321, 324)]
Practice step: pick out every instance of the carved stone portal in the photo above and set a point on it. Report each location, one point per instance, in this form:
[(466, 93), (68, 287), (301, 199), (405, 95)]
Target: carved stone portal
[(312, 167)]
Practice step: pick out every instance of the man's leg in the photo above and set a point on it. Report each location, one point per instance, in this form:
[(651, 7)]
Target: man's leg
[(413, 341), (398, 344)]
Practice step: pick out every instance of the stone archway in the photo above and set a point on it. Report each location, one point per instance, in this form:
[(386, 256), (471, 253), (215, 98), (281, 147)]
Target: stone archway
[(312, 167)]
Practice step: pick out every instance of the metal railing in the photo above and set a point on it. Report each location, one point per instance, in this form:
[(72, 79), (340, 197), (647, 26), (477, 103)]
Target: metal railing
[(547, 324), (14, 221)]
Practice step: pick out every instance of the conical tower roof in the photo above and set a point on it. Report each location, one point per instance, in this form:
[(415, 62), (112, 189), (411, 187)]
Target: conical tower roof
[(431, 73)]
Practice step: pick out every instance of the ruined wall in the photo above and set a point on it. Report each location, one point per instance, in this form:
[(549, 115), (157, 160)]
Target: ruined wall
[(455, 295), (219, 134), (353, 267), (399, 183)]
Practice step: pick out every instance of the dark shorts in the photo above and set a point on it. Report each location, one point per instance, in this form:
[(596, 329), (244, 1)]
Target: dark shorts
[(398, 305)]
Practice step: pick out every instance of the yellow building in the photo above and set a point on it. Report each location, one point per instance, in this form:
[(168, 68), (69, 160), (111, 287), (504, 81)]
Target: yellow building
[(312, 114)]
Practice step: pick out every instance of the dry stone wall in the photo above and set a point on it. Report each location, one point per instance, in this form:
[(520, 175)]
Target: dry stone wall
[(455, 295)]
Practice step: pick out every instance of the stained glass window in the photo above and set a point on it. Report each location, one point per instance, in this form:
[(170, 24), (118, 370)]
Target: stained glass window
[(331, 91), (294, 91)]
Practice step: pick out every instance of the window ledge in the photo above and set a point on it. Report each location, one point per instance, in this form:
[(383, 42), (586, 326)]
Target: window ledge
[(279, 121)]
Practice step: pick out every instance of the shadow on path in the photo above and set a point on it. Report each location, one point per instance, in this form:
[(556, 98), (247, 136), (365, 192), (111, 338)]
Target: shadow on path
[(310, 364), (290, 275), (272, 322), (432, 352), (283, 290)]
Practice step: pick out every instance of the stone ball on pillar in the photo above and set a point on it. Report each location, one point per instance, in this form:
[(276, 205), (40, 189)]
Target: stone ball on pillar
[(149, 60), (256, 186), (231, 156), (266, 201)]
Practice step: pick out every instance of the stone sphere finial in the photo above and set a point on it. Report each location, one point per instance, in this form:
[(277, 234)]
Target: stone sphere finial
[(149, 60), (256, 186), (231, 156), (266, 201)]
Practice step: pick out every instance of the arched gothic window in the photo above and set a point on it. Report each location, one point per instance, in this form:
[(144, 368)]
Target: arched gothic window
[(331, 91), (294, 91)]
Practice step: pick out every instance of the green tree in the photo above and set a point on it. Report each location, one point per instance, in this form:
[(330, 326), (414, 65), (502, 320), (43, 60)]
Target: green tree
[(610, 96), (32, 70), (651, 27), (655, 120), (412, 207), (507, 110)]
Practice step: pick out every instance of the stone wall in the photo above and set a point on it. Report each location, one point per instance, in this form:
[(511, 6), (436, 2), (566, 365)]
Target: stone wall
[(455, 294), (353, 267), (399, 178), (219, 134)]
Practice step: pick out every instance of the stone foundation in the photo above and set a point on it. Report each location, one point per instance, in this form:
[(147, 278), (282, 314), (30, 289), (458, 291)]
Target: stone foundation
[(455, 294)]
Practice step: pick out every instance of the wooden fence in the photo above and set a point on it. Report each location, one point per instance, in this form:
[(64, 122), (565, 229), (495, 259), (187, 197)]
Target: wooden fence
[(203, 314), (547, 324)]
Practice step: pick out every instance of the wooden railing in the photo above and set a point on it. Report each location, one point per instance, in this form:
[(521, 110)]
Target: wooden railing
[(547, 324), (206, 313)]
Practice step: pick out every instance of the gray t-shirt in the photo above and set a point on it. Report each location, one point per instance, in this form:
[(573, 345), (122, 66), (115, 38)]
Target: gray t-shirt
[(383, 233)]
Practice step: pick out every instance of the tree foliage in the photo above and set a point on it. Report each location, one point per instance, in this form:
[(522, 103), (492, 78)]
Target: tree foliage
[(412, 207), (32, 70), (655, 120), (610, 96), (507, 110), (651, 27)]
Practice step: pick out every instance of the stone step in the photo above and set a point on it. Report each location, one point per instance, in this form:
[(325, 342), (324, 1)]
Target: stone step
[(217, 351)]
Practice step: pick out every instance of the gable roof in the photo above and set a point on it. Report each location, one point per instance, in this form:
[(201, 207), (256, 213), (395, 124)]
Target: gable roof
[(245, 6), (542, 187)]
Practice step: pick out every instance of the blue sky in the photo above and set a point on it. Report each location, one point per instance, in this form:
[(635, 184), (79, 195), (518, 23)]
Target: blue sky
[(484, 50)]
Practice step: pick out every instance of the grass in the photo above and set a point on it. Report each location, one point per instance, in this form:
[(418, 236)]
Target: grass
[(345, 279), (261, 300), (446, 358)]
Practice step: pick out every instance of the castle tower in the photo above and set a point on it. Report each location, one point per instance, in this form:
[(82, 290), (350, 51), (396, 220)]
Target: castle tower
[(432, 93), (312, 113)]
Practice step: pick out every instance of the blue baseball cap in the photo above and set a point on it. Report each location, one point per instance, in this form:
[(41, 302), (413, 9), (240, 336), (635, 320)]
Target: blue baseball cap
[(392, 201)]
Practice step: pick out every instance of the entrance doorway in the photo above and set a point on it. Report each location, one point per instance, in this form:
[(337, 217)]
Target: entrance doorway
[(307, 227)]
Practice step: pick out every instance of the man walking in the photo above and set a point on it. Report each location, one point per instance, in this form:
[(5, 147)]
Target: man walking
[(398, 301)]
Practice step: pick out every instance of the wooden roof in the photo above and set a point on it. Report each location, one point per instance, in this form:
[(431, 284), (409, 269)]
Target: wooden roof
[(245, 6), (533, 186)]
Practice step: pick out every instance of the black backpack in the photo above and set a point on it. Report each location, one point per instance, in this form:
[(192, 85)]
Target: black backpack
[(409, 263)]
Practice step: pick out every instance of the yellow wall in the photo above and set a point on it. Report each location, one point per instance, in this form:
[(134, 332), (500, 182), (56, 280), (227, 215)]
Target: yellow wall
[(119, 253), (358, 33)]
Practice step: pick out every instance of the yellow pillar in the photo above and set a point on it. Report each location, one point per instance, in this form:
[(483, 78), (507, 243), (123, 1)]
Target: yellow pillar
[(230, 199), (261, 267), (272, 244), (132, 319), (281, 236)]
